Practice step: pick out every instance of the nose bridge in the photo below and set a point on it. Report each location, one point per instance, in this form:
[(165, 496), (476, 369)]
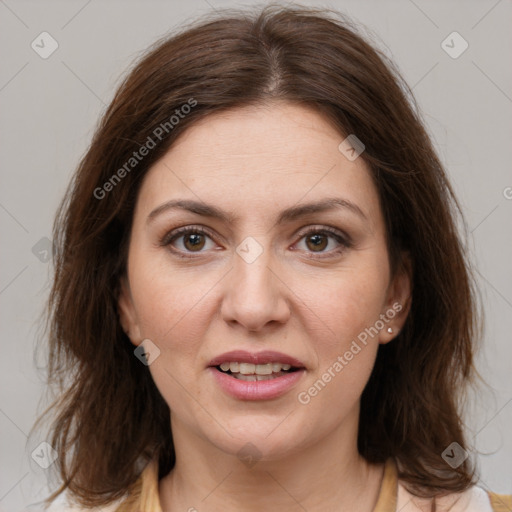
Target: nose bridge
[(252, 269), (254, 295)]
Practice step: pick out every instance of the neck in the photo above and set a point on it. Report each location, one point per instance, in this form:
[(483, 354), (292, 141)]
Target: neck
[(328, 475)]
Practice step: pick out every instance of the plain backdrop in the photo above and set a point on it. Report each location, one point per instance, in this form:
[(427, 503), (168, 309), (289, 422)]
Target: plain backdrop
[(49, 109)]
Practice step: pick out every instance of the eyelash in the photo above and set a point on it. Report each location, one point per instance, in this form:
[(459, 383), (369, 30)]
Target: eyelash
[(343, 240)]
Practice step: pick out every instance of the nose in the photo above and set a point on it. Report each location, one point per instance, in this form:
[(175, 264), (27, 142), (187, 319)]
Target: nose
[(255, 295)]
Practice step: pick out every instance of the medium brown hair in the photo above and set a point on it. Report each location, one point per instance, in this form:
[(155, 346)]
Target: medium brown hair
[(110, 418)]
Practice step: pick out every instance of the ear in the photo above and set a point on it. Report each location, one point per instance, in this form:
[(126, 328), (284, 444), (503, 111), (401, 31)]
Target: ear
[(127, 314), (398, 300)]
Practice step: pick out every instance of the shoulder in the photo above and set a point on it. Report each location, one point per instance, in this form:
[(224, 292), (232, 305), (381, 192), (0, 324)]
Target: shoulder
[(63, 504), (75, 508), (474, 499), (143, 495)]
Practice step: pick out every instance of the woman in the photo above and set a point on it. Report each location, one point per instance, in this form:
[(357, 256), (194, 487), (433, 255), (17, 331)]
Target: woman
[(261, 301)]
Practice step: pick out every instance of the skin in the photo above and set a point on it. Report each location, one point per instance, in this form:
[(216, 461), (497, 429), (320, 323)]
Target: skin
[(301, 298)]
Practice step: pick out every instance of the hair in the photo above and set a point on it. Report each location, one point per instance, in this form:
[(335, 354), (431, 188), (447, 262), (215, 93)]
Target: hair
[(110, 419)]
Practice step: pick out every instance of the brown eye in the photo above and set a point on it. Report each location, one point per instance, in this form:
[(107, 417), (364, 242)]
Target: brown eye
[(188, 240), (324, 242), (194, 241), (318, 242)]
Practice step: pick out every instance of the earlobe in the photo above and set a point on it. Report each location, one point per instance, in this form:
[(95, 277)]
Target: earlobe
[(398, 302), (126, 311)]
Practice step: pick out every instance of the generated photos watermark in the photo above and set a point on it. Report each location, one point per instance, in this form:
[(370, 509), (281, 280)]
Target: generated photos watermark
[(304, 397), (158, 134)]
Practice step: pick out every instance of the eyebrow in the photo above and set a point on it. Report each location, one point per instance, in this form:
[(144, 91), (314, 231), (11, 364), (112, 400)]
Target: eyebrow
[(288, 215)]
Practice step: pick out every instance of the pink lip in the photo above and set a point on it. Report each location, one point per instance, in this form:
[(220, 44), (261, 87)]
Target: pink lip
[(256, 390), (264, 357)]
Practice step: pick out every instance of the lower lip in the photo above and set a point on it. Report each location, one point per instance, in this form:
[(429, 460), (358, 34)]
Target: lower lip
[(259, 389)]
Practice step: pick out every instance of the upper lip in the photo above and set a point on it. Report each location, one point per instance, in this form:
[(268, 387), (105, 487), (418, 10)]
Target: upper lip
[(264, 357)]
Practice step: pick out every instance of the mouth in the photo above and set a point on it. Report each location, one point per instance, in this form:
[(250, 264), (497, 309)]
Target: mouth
[(255, 372), (265, 375)]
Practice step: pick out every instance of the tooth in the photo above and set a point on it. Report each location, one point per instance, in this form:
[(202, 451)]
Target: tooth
[(264, 377), (264, 369), (252, 378), (247, 368), (241, 376), (258, 369)]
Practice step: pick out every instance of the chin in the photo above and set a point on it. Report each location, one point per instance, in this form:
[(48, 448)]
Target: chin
[(259, 441)]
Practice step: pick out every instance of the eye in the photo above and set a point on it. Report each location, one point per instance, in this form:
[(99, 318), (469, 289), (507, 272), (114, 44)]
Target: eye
[(190, 239), (317, 240)]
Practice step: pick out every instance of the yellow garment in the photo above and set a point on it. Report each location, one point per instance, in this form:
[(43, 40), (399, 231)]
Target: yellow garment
[(144, 496), (501, 502)]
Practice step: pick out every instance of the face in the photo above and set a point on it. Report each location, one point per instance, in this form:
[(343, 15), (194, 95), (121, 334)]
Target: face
[(249, 264)]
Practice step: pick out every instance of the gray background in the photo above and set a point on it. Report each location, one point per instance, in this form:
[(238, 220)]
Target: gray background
[(50, 108)]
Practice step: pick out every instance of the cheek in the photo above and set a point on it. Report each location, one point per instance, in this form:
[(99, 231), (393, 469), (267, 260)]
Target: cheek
[(169, 302), (174, 310), (349, 302), (346, 350)]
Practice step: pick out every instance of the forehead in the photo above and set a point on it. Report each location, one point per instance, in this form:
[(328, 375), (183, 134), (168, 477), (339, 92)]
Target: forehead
[(264, 159)]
